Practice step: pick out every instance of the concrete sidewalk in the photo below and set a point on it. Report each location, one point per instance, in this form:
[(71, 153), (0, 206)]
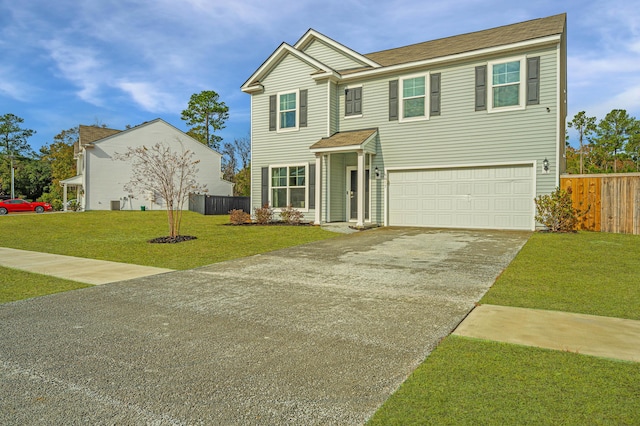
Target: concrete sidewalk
[(79, 269), (585, 334)]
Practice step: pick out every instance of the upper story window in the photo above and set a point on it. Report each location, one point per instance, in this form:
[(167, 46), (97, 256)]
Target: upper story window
[(413, 97), (288, 111), (353, 102), (506, 84), (289, 186)]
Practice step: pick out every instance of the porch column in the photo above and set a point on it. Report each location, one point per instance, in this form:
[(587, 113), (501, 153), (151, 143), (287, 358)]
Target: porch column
[(64, 197), (361, 186), (318, 193)]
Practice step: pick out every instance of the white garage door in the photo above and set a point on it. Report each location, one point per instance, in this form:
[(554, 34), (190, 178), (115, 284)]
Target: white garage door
[(479, 197)]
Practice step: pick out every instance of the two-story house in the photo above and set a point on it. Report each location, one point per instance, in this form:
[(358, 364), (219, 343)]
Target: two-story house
[(460, 132), (99, 183)]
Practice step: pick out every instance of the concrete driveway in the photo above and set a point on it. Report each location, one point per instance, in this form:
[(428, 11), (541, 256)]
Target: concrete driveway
[(316, 334)]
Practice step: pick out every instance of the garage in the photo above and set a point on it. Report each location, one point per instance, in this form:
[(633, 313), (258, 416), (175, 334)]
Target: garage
[(491, 197)]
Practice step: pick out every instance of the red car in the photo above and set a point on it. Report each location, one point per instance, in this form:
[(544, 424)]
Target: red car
[(16, 205)]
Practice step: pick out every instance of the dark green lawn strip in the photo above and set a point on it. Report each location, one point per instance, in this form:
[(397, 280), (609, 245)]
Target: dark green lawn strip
[(18, 285), (585, 272), (473, 382)]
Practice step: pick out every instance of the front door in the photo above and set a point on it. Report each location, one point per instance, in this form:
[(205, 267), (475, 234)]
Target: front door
[(352, 194)]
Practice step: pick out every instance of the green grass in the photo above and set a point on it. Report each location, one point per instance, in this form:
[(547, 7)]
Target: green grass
[(122, 237), (18, 285), (586, 272), (464, 381), (472, 382)]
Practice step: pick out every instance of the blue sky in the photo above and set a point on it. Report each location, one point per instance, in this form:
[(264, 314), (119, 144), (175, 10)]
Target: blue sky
[(119, 62)]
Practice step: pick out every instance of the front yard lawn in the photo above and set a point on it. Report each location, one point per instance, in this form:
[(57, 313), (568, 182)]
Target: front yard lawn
[(586, 272), (18, 285), (122, 237), (471, 381)]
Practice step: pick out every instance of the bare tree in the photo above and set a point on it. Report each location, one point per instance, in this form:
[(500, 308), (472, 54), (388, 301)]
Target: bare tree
[(160, 170), (236, 158)]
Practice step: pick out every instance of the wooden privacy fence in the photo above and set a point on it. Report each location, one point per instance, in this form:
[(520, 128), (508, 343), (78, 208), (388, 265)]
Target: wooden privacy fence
[(218, 204), (611, 201)]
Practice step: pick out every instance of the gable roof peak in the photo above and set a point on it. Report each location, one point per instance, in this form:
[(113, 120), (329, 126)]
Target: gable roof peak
[(312, 35)]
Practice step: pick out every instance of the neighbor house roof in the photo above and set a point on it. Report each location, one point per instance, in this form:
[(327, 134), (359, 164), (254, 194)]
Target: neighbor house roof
[(89, 134)]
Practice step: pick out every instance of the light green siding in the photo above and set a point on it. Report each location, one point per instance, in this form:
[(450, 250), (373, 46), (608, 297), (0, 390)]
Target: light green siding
[(330, 57), (271, 147), (461, 135)]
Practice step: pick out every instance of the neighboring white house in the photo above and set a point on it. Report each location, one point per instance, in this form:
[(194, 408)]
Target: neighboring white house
[(99, 183), (460, 132)]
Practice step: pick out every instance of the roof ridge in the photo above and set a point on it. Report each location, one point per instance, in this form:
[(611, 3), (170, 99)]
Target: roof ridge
[(468, 33)]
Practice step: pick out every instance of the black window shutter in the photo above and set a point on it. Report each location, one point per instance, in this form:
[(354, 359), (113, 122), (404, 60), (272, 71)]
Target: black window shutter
[(303, 108), (533, 80), (272, 113), (481, 88), (265, 186), (393, 100), (312, 186), (435, 94)]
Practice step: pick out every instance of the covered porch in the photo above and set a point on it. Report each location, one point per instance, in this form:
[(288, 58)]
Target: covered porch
[(76, 185), (345, 178)]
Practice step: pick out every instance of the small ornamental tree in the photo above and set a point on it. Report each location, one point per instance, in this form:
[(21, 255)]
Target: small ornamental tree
[(556, 212), (171, 175)]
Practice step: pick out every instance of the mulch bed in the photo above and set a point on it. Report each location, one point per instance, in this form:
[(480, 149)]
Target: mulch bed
[(270, 224), (172, 240)]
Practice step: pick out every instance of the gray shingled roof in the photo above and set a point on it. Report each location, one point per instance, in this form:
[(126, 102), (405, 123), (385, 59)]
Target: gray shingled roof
[(494, 37), (89, 134)]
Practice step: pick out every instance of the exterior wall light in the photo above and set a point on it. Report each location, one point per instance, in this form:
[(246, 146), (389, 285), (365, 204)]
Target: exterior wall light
[(545, 166), (377, 173)]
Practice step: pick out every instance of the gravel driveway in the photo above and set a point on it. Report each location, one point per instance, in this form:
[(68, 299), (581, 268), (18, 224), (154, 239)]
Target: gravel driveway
[(316, 334)]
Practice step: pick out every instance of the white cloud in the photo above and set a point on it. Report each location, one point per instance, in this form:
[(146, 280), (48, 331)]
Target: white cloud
[(12, 87), (149, 97), (80, 66)]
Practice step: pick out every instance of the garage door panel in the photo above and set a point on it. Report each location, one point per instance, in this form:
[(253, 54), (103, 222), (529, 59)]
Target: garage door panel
[(428, 189), (463, 188), (498, 197), (480, 188), (483, 173)]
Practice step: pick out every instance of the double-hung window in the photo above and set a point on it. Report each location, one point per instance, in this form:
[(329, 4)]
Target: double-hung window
[(414, 101), (289, 186), (507, 84), (288, 111)]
